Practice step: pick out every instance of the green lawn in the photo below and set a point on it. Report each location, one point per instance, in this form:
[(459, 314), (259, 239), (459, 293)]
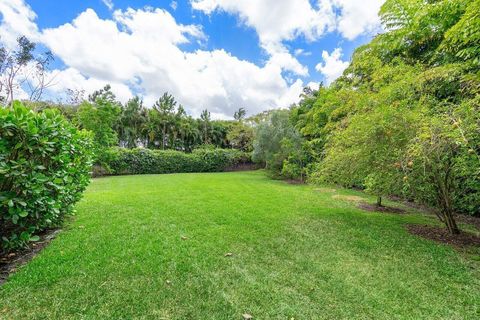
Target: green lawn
[(297, 253)]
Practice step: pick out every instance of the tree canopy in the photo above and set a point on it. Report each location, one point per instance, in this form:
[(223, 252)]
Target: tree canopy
[(404, 118)]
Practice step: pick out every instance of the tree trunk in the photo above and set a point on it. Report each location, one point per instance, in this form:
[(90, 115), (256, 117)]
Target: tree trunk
[(164, 133), (450, 223), (379, 201), (446, 203)]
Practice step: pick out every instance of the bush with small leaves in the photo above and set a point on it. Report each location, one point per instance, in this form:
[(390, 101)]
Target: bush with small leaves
[(45, 166)]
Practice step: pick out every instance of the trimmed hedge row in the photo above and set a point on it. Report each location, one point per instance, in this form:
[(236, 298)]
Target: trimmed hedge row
[(120, 161), (45, 166)]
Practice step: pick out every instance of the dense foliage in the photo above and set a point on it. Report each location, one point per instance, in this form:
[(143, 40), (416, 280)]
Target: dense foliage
[(44, 168), (145, 161), (165, 125), (278, 146), (404, 119)]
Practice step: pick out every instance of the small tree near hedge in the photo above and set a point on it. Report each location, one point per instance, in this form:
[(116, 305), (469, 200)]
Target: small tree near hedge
[(45, 166), (445, 165)]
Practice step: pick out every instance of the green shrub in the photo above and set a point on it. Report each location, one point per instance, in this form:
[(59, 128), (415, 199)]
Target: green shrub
[(118, 161), (44, 168)]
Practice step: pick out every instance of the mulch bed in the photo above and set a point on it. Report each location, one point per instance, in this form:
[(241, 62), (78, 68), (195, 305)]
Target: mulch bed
[(440, 234), (375, 208), (9, 262)]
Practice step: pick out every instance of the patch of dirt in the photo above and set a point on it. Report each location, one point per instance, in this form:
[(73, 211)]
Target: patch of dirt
[(9, 262), (325, 190), (440, 234), (348, 198), (374, 208)]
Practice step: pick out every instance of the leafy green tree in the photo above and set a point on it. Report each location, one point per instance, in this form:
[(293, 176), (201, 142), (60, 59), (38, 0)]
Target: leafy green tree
[(219, 133), (104, 94), (100, 115), (175, 128), (445, 164), (369, 152), (274, 140), (241, 136), (461, 42), (402, 120)]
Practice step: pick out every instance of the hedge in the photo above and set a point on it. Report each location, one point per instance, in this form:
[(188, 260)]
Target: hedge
[(120, 161), (45, 166)]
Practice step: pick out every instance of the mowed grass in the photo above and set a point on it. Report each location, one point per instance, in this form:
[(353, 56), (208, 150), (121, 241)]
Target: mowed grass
[(297, 253)]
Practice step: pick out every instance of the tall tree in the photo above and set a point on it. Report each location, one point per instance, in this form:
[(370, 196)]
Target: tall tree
[(131, 122), (101, 116), (165, 107), (206, 126), (23, 69)]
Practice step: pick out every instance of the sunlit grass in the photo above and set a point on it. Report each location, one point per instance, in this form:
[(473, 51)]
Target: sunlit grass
[(153, 247)]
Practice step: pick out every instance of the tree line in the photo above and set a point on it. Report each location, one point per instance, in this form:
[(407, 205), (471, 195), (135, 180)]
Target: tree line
[(403, 120), (164, 126)]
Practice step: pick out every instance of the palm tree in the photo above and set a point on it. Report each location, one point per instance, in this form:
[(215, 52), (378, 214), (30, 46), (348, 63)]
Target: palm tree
[(240, 114), (189, 133), (175, 126), (132, 120), (206, 126), (165, 107)]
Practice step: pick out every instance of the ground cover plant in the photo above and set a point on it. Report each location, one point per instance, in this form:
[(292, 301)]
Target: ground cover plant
[(220, 245)]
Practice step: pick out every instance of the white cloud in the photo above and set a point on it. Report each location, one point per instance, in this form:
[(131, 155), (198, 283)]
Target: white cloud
[(358, 17), (109, 4), (173, 5), (276, 21), (17, 20), (301, 52), (137, 51), (313, 85), (333, 66), (283, 60), (71, 78)]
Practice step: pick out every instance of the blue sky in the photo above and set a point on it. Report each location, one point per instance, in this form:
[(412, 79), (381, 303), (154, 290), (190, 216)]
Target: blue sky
[(215, 54)]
